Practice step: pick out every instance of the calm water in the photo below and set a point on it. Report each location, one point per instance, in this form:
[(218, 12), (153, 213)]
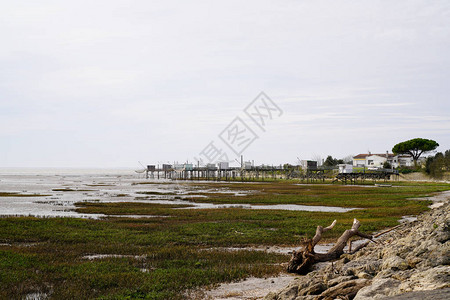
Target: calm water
[(104, 185)]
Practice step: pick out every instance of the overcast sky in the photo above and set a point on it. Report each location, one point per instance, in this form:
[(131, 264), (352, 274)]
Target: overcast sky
[(110, 83)]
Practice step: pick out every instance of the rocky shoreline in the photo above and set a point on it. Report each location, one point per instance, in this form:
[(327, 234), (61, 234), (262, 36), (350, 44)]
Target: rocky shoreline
[(412, 262)]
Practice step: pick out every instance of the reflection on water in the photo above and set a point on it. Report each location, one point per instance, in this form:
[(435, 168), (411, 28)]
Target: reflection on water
[(63, 187)]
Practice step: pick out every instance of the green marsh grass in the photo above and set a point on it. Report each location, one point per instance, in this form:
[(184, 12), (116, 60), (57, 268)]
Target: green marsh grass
[(182, 249)]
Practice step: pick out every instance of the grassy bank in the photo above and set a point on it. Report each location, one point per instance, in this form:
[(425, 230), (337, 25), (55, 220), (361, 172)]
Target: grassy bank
[(178, 250)]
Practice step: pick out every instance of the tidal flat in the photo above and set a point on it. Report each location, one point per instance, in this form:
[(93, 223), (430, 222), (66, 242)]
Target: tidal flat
[(164, 257)]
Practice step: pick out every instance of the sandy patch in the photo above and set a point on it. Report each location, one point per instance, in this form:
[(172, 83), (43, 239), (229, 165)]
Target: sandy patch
[(250, 288)]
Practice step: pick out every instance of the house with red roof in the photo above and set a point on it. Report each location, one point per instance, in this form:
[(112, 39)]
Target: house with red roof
[(377, 160)]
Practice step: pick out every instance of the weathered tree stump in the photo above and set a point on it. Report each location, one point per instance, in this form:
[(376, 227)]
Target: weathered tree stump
[(302, 260)]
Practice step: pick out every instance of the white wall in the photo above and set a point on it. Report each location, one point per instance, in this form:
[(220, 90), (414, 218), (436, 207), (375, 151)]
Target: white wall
[(378, 161), (375, 161), (357, 162)]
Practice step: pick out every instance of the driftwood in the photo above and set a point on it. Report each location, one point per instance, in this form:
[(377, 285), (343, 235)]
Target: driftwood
[(344, 290), (302, 260)]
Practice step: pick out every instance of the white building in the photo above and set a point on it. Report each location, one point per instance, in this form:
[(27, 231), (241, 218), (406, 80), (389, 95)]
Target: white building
[(345, 168), (377, 160), (405, 160)]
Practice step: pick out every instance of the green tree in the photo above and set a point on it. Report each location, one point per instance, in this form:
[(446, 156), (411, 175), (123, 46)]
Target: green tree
[(435, 165), (330, 161), (428, 164), (447, 160), (415, 147)]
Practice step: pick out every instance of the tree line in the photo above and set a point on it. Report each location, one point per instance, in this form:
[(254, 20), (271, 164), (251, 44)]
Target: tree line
[(437, 165)]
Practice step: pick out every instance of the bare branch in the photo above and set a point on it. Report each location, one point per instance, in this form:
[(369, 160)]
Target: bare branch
[(386, 231), (356, 224), (363, 235), (302, 260), (330, 227), (319, 232)]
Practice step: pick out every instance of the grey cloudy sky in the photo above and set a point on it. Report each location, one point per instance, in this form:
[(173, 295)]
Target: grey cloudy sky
[(110, 83)]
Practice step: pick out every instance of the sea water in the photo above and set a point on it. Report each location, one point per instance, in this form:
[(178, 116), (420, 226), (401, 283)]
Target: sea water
[(59, 189)]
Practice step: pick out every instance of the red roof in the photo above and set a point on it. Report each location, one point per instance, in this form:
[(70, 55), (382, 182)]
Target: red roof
[(363, 155)]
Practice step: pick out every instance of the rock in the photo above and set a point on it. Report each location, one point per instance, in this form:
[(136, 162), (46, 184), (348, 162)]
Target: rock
[(387, 273), (314, 289), (299, 287), (364, 275), (440, 255), (413, 258), (402, 275), (443, 232), (271, 296), (413, 261), (337, 265), (435, 294), (287, 293), (378, 289), (368, 265), (395, 263), (425, 247), (339, 279), (431, 279), (344, 289)]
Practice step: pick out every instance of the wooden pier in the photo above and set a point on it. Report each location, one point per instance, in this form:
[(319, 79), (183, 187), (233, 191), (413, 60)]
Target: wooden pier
[(380, 175), (218, 174), (263, 173)]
